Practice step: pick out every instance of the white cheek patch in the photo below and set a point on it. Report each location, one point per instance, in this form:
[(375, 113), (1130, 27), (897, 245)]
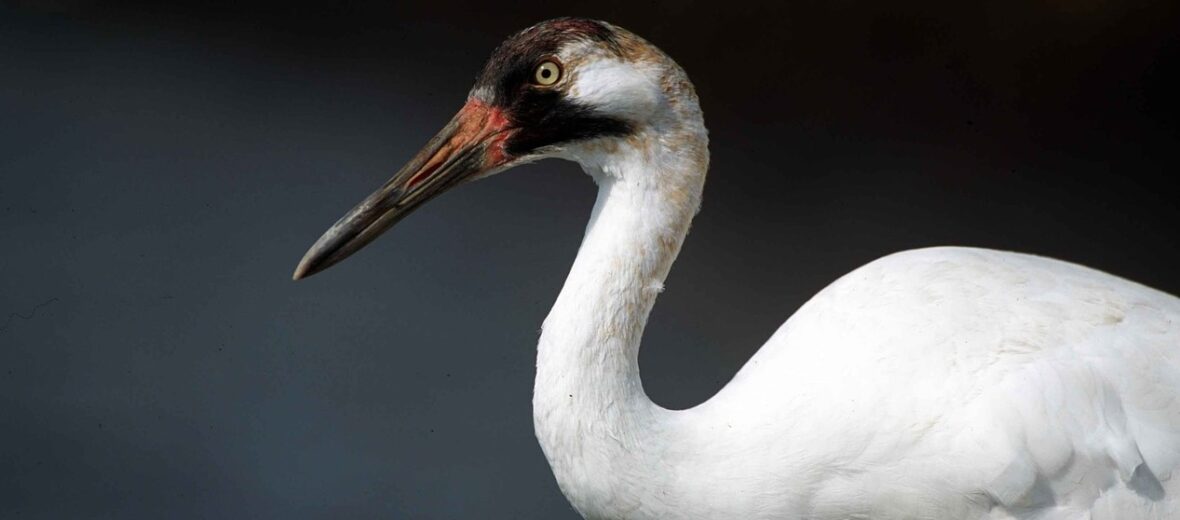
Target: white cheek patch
[(617, 88)]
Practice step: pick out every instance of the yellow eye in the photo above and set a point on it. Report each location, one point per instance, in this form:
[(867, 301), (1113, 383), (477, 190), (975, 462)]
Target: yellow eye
[(547, 73)]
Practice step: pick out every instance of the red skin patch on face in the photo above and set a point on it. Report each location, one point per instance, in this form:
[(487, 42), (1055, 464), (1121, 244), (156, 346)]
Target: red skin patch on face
[(475, 124), (496, 154)]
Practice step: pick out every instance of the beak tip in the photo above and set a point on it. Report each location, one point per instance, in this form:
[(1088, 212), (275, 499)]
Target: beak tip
[(301, 272), (308, 266)]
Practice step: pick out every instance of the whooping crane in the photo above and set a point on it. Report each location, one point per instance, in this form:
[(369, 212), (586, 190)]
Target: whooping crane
[(943, 383)]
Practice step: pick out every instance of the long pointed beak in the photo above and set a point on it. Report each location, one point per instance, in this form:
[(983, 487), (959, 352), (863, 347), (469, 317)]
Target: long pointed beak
[(470, 146)]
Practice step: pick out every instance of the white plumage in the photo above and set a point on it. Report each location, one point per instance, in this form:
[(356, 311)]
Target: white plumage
[(963, 383), (936, 383), (943, 383)]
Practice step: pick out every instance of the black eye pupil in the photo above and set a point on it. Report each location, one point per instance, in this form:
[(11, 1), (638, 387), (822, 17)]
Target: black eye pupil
[(545, 73)]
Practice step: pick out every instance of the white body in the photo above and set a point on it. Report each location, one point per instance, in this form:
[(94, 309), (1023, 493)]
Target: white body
[(953, 383), (938, 383)]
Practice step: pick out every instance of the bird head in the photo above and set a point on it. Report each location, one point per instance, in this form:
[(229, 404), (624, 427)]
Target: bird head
[(569, 88)]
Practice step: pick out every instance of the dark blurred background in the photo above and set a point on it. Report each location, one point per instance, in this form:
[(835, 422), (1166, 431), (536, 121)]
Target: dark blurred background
[(164, 166)]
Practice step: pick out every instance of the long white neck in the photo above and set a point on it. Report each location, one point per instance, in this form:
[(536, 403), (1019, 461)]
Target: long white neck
[(593, 419)]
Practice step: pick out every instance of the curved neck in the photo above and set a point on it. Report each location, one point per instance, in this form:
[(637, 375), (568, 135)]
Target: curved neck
[(589, 347), (591, 414)]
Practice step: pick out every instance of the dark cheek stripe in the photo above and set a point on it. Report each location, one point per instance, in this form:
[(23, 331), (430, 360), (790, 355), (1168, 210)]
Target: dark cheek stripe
[(564, 122)]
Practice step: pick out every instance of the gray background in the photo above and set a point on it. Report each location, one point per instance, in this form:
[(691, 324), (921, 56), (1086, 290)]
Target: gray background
[(164, 168)]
